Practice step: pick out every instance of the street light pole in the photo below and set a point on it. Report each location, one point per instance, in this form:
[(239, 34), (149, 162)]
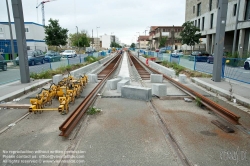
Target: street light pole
[(97, 38), (11, 36), (139, 39), (77, 39), (92, 40)]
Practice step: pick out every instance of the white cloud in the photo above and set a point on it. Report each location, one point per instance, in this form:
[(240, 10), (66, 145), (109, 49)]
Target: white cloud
[(123, 17)]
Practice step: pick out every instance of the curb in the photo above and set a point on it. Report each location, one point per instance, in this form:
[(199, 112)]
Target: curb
[(20, 92), (239, 99)]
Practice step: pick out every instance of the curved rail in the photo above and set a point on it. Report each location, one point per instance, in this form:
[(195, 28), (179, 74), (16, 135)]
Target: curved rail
[(223, 112), (69, 124)]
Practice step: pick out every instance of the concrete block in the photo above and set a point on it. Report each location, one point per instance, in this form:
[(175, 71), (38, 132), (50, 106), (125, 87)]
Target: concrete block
[(159, 90), (112, 84), (156, 78), (136, 92), (57, 78), (182, 78), (92, 78), (122, 83)]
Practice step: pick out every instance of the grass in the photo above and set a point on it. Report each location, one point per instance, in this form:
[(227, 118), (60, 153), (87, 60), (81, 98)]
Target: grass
[(182, 70), (93, 110), (198, 101), (48, 74)]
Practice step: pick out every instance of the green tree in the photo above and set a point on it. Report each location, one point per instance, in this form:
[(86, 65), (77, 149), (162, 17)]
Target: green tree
[(163, 41), (81, 38), (189, 34), (54, 34), (114, 44), (132, 45)]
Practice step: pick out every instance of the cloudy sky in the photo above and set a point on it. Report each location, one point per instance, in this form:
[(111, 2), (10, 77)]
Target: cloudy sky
[(123, 18)]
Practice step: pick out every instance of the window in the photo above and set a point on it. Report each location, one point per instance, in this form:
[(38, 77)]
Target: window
[(195, 24), (235, 9), (1, 29), (199, 23), (26, 29), (212, 20), (203, 23), (199, 9), (210, 5), (247, 16), (193, 9)]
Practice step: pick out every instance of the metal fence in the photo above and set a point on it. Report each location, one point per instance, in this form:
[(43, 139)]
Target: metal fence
[(232, 68), (53, 65)]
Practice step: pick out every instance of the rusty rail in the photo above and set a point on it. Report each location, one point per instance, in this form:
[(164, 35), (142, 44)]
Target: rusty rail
[(69, 124), (221, 111), (144, 74), (130, 61)]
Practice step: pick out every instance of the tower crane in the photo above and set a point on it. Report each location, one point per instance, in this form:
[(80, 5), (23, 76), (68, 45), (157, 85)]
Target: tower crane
[(43, 14)]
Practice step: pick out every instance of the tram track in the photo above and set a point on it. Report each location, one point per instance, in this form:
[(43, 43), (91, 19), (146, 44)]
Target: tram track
[(69, 124), (219, 110)]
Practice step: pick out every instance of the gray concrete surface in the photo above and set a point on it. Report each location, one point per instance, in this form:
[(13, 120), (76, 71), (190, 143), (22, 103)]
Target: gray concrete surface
[(159, 90), (16, 89), (156, 78), (122, 83), (202, 142), (112, 83), (136, 92), (227, 88), (125, 134)]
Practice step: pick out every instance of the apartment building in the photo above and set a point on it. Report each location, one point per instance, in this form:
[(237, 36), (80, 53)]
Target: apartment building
[(142, 42), (95, 43), (106, 40), (171, 32), (34, 38), (203, 14)]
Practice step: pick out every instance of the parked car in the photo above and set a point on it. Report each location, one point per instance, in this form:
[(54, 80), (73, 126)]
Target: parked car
[(177, 53), (3, 63), (52, 56), (210, 58), (34, 57), (157, 50), (199, 56), (69, 54), (162, 50), (247, 64)]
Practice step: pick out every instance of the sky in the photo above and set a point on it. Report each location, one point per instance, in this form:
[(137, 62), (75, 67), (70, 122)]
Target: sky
[(122, 18)]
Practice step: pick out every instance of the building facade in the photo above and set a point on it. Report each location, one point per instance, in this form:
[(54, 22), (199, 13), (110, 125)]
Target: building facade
[(106, 40), (171, 32), (143, 42), (203, 14), (34, 38)]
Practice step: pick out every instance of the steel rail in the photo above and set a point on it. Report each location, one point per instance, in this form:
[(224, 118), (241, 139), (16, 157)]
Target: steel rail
[(69, 124), (110, 60), (221, 111), (144, 74)]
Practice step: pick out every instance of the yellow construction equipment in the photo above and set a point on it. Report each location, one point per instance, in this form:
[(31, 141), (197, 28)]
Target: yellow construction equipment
[(67, 90), (64, 105)]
